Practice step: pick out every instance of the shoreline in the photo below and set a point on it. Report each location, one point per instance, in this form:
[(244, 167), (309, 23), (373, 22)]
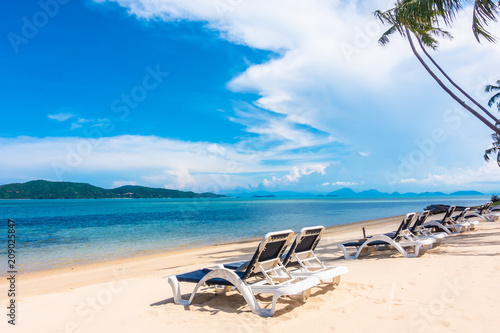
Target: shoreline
[(78, 274), (186, 249)]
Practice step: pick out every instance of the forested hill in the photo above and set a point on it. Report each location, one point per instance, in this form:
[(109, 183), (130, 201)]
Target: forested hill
[(42, 189)]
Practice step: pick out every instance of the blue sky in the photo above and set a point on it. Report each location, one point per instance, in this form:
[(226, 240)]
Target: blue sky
[(229, 95)]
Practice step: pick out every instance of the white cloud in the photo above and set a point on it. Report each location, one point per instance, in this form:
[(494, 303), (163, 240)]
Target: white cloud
[(343, 183), (120, 183), (407, 180), (183, 179), (295, 175), (75, 126), (61, 116), (487, 173), (340, 183), (79, 122), (100, 122)]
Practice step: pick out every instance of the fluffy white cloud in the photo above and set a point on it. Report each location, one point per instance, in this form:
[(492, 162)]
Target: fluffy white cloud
[(120, 183), (61, 116), (295, 175), (487, 173), (407, 180)]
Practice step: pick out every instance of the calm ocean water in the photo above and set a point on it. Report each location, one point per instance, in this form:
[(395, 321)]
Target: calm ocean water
[(56, 233)]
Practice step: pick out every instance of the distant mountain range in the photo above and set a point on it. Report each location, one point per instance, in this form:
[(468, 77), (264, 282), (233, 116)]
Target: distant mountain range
[(349, 193), (42, 189)]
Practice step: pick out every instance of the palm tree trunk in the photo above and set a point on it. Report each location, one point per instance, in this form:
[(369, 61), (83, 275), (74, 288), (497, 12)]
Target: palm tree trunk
[(445, 88), (456, 85)]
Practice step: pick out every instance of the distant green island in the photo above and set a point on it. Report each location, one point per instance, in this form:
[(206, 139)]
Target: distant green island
[(42, 189)]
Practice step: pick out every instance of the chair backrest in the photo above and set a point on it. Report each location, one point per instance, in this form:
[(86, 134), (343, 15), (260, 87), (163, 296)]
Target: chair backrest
[(485, 208), (461, 215), (420, 220), (448, 213), (270, 248), (306, 240), (405, 224)]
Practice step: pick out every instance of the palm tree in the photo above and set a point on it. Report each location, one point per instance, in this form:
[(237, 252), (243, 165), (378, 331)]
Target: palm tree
[(420, 19), (496, 97)]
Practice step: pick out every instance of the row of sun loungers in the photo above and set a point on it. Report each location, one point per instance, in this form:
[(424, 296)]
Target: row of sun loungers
[(486, 213), (276, 271)]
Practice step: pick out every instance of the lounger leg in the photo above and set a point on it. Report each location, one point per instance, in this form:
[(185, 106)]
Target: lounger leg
[(403, 251), (176, 290), (245, 291), (346, 254), (270, 313), (417, 250), (336, 281)]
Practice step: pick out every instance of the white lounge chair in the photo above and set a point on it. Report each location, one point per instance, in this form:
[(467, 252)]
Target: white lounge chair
[(265, 274), (462, 218), (423, 233), (301, 261), (400, 240), (302, 253), (448, 225), (485, 213)]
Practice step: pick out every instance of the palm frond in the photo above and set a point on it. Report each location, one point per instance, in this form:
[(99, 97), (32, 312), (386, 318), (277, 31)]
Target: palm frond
[(442, 33), (429, 10), (384, 39), (489, 152), (493, 99), (428, 40), (484, 12), (430, 13), (490, 87)]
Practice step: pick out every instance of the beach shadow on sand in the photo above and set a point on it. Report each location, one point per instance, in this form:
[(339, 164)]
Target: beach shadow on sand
[(471, 239), (233, 302)]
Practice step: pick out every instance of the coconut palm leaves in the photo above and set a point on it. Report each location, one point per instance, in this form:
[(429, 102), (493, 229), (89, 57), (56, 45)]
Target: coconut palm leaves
[(494, 149), (484, 11), (496, 97), (421, 19)]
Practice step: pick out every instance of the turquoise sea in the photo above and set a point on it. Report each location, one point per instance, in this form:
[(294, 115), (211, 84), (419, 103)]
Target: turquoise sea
[(57, 233)]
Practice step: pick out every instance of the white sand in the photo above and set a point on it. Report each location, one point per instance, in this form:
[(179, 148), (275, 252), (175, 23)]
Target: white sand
[(452, 288)]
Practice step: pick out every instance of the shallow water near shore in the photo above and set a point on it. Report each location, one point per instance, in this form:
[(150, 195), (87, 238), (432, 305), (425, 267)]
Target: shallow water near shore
[(58, 233)]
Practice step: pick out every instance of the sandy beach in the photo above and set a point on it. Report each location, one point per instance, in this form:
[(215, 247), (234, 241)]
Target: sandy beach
[(450, 288)]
